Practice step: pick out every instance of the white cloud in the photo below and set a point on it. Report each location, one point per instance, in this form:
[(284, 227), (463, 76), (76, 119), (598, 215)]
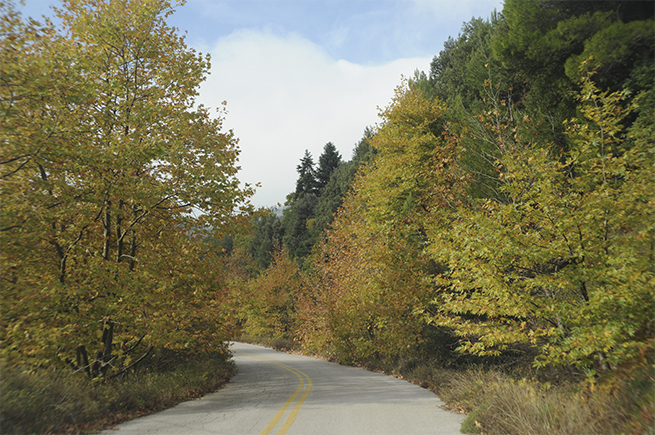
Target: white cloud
[(285, 94)]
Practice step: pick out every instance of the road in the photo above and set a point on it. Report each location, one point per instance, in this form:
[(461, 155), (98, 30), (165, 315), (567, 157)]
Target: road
[(278, 393)]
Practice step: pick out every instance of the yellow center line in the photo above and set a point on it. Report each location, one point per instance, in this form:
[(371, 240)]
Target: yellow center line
[(296, 409), (294, 412)]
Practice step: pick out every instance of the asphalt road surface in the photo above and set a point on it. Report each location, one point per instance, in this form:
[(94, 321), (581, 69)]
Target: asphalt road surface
[(278, 393)]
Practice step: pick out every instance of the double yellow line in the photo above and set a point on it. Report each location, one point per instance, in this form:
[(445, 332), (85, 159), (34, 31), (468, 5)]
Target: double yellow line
[(294, 412)]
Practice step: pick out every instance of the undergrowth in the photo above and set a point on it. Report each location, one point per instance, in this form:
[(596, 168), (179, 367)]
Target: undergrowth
[(62, 402)]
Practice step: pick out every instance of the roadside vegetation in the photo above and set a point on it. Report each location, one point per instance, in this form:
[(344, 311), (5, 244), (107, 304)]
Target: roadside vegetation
[(63, 402), (511, 398), (501, 401)]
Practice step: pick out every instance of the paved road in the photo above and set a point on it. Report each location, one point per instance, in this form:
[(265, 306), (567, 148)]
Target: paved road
[(278, 393)]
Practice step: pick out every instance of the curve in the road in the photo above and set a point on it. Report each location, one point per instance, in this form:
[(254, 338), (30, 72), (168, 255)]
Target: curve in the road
[(294, 412), (270, 388)]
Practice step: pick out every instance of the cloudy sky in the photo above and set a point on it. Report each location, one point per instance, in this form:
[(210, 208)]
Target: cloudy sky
[(300, 73)]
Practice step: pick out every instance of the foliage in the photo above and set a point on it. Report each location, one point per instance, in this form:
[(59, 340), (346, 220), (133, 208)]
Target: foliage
[(618, 64), (112, 179), (497, 403), (472, 81), (350, 305), (565, 264), (505, 208), (339, 184), (268, 304), (356, 302), (318, 194), (306, 183), (415, 171), (458, 73), (328, 161), (298, 222), (546, 40), (268, 234)]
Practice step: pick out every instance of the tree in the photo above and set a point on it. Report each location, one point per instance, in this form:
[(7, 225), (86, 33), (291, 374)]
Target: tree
[(298, 217), (566, 264), (416, 171), (306, 182), (359, 291), (269, 303), (328, 161), (298, 222), (338, 186), (546, 40), (370, 277), (268, 234), (112, 179), (458, 73)]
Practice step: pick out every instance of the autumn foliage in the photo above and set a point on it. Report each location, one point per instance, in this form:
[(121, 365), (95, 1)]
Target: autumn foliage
[(564, 261), (555, 261), (112, 181), (496, 210)]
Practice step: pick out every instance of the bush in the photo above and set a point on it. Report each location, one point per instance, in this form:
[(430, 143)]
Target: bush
[(42, 402)]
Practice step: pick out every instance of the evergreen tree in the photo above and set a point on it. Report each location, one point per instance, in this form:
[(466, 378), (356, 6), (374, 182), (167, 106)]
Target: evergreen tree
[(458, 73), (468, 77), (306, 182), (547, 41), (267, 237), (298, 221), (364, 152), (300, 209), (340, 181), (327, 163)]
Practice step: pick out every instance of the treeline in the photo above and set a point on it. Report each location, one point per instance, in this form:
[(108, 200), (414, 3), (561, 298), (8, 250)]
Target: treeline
[(503, 210)]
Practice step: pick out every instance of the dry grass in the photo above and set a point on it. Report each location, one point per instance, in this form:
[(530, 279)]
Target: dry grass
[(496, 403), (59, 402)]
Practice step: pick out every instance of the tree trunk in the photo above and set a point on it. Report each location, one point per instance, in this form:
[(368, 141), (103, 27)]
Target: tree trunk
[(107, 340), (107, 224)]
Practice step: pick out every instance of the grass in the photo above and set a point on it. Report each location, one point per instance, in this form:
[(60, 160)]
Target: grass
[(497, 402), (61, 402)]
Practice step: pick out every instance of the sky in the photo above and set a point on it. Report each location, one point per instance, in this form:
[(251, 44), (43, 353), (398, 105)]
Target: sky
[(297, 74)]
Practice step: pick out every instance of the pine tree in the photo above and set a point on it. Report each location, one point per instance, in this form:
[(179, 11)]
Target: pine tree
[(306, 182), (327, 163), (335, 190)]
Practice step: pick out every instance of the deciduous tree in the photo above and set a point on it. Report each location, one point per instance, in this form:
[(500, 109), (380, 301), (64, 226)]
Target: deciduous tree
[(111, 178), (566, 264)]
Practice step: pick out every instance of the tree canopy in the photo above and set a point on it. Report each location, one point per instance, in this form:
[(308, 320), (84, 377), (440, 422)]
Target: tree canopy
[(112, 178)]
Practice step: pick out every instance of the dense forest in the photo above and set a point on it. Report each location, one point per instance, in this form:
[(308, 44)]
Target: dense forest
[(502, 212)]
